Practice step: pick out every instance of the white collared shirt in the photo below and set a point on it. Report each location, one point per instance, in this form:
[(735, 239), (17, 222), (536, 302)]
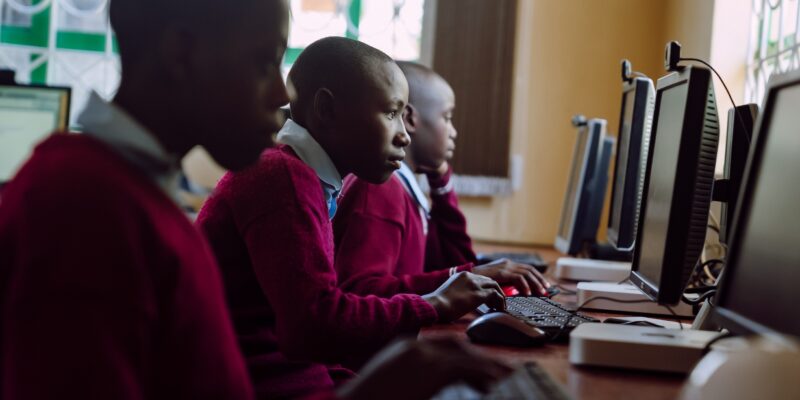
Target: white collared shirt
[(113, 126), (311, 153), (411, 185)]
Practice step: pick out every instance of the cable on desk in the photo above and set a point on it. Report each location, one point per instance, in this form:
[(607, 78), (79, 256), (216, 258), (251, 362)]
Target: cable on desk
[(565, 290), (716, 339)]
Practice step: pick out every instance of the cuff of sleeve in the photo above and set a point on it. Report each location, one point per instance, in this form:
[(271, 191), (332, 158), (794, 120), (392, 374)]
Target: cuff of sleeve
[(440, 182), (425, 312), (466, 267)]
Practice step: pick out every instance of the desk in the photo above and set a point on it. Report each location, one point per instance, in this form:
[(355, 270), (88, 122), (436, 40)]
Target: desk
[(580, 382)]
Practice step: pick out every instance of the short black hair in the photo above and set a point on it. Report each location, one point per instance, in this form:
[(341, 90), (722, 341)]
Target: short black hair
[(140, 23), (419, 78), (344, 66)]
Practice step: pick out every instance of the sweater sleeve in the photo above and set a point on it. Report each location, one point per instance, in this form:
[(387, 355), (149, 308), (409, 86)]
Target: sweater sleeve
[(315, 320), (447, 243), (367, 253), (78, 312)]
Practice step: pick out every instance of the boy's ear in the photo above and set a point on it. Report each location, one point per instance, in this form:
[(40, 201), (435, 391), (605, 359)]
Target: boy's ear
[(410, 118), (323, 106)]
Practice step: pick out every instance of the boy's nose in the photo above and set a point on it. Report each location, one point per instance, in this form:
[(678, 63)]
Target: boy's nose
[(402, 139)]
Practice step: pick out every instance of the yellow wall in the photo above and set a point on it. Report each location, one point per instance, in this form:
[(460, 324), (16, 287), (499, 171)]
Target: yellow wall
[(568, 55)]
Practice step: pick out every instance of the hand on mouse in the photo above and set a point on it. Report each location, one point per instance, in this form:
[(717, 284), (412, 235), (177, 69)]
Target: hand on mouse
[(525, 278), (464, 292), (411, 369)]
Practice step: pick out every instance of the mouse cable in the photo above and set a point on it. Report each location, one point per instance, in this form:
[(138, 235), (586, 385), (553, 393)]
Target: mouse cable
[(735, 111), (722, 335)]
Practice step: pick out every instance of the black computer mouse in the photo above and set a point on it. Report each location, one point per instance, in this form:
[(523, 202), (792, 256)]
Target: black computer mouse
[(503, 329)]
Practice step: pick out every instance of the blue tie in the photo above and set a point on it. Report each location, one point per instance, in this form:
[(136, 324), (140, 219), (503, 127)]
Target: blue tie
[(330, 194)]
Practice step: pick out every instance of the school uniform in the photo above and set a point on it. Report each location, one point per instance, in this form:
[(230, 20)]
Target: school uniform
[(270, 229), (383, 233), (107, 290)]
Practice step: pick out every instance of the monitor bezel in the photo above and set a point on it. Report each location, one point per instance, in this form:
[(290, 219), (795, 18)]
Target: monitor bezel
[(621, 229), (37, 86), (674, 262), (572, 243), (725, 317)]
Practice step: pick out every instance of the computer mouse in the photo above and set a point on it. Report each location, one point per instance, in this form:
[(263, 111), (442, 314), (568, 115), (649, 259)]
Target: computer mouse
[(505, 330)]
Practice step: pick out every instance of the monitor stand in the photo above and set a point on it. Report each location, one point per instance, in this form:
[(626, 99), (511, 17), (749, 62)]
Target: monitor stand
[(585, 269), (625, 292)]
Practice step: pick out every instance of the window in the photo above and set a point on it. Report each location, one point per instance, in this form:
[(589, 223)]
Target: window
[(70, 42), (773, 44)]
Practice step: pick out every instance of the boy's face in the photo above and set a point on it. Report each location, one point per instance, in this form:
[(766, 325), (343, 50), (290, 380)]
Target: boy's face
[(238, 87), (372, 131), (433, 139)]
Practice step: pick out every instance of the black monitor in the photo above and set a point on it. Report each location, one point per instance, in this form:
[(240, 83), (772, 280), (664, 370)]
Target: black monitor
[(759, 287), (633, 141), (580, 215), (28, 113), (677, 191), (737, 144)]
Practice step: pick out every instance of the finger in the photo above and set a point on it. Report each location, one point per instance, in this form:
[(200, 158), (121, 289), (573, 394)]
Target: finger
[(521, 284), (494, 299), (535, 283), (539, 275)]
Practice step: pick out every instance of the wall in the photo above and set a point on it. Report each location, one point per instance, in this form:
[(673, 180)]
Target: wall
[(568, 55)]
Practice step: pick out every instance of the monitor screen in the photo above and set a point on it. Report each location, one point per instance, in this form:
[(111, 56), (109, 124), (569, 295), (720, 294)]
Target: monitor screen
[(27, 115), (621, 164), (662, 181), (761, 282), (574, 184)]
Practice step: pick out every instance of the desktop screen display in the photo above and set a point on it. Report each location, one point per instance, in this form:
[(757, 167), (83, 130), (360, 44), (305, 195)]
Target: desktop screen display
[(662, 181), (27, 115), (760, 283), (576, 179), (620, 166), (636, 116), (677, 193)]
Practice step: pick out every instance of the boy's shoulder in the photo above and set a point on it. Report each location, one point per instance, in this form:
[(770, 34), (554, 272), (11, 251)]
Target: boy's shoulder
[(68, 165)]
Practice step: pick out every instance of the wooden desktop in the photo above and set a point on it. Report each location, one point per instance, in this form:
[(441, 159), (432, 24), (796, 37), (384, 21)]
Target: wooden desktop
[(579, 382)]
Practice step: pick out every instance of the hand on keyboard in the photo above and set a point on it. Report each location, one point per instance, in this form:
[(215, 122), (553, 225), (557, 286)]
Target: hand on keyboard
[(462, 293), (419, 369), (525, 278)]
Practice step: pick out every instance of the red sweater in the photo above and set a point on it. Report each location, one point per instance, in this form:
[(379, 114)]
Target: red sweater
[(106, 289), (381, 245), (269, 228), (448, 242)]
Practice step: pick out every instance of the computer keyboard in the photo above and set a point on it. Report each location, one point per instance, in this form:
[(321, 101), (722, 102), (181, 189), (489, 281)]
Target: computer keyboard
[(533, 259), (530, 382), (548, 315)]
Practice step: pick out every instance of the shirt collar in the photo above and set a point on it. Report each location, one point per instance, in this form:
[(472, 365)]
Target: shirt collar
[(113, 126), (310, 151), (412, 186)]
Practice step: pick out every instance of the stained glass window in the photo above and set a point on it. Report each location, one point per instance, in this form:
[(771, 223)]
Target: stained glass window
[(773, 44), (70, 42)]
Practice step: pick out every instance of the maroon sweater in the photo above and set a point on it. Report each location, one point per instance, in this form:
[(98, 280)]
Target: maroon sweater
[(447, 243), (106, 289), (381, 245), (269, 228)]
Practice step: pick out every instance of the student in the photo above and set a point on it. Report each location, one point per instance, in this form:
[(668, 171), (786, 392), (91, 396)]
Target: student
[(386, 235), (270, 228), (106, 289)]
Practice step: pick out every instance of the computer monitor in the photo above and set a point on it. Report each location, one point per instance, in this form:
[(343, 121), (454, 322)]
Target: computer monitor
[(759, 287), (28, 113), (737, 144), (633, 141), (677, 187), (580, 215)]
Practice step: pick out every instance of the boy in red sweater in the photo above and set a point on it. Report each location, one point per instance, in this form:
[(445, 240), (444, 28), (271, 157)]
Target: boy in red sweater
[(270, 228), (387, 235), (106, 289)]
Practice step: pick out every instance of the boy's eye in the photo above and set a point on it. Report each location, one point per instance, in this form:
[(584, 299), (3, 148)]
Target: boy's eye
[(392, 115)]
